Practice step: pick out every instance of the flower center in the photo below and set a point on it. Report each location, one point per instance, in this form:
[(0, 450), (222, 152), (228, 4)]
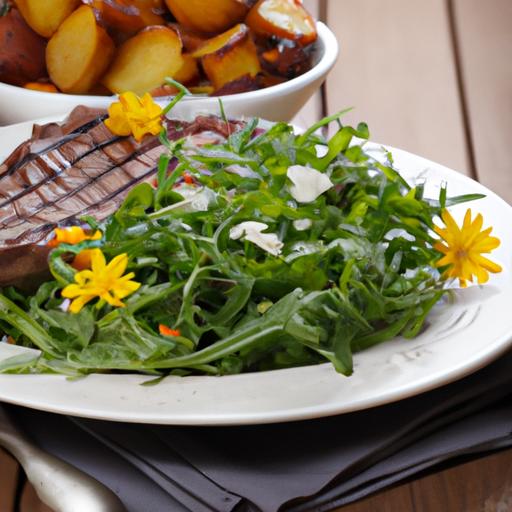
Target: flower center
[(461, 253)]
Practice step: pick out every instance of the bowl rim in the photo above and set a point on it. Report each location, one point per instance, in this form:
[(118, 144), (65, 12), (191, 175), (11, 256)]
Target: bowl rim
[(329, 50)]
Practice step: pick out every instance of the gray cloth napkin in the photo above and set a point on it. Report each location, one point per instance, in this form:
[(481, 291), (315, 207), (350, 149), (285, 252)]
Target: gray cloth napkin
[(311, 465)]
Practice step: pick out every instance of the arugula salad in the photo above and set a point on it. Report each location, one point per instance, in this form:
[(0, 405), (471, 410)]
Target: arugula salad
[(270, 250)]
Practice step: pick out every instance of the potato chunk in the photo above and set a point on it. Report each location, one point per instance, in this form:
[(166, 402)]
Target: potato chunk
[(191, 39), (41, 87), (189, 71), (21, 50), (46, 16), (127, 16), (79, 52), (286, 19), (144, 61), (210, 16), (229, 56)]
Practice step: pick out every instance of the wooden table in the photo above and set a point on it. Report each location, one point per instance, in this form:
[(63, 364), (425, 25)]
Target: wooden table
[(435, 78)]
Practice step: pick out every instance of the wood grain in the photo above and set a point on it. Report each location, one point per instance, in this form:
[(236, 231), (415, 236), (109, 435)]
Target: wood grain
[(30, 501), (397, 68), (312, 111), (8, 478), (482, 485), (484, 42)]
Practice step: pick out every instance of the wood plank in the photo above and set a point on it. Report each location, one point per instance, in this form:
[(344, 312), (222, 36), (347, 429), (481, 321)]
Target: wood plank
[(397, 499), (8, 478), (484, 38), (312, 110), (397, 68), (30, 501), (482, 485)]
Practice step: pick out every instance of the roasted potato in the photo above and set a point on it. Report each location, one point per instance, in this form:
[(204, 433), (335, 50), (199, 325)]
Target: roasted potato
[(190, 39), (288, 60), (112, 46), (143, 62), (79, 52), (164, 90), (242, 84), (189, 71), (127, 16), (46, 16), (21, 50), (41, 86), (208, 16), (285, 19), (229, 56), (201, 89)]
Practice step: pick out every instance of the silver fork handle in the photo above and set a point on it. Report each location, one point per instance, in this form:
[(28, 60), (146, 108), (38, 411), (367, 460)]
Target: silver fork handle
[(59, 485)]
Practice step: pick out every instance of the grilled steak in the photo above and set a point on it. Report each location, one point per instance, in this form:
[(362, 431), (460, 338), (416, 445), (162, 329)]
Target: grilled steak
[(65, 171)]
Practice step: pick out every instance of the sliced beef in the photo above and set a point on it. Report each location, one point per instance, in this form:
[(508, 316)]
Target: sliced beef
[(72, 169)]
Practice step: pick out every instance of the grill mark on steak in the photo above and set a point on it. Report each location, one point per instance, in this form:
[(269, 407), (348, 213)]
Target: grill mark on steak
[(111, 202), (79, 173), (90, 191), (108, 204), (61, 140), (47, 166)]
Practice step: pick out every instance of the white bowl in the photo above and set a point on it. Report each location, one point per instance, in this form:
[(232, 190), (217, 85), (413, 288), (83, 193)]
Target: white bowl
[(277, 103)]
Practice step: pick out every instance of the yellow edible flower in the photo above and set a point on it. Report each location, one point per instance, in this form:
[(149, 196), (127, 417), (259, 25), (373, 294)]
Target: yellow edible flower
[(135, 116), (103, 281), (74, 235), (71, 235), (463, 248)]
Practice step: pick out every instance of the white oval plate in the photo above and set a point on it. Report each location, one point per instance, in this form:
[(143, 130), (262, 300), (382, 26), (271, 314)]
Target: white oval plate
[(461, 337)]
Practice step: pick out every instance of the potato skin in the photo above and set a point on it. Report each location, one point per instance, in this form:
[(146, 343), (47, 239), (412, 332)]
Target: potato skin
[(190, 39), (229, 56), (287, 19), (208, 16), (22, 51), (45, 16), (126, 16), (243, 84)]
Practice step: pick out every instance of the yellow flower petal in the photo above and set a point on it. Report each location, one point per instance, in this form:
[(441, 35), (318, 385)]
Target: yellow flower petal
[(130, 102), (482, 275), (487, 244), (135, 116), (489, 265), (72, 235), (118, 265), (117, 122), (77, 305), (71, 291), (113, 301), (98, 262), (451, 225), (466, 224)]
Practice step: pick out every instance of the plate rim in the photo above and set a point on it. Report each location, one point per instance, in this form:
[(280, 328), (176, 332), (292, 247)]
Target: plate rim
[(467, 366)]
